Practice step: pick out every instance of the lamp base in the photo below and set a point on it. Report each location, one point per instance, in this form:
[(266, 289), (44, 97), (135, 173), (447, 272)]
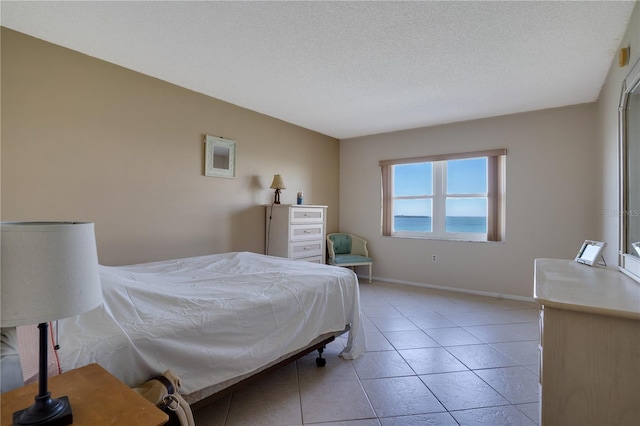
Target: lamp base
[(45, 412)]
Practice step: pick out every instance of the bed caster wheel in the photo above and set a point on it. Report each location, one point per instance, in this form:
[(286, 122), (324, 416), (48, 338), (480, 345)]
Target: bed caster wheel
[(321, 362)]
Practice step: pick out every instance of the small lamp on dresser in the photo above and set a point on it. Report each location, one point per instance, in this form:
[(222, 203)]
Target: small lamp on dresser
[(277, 184), (49, 272)]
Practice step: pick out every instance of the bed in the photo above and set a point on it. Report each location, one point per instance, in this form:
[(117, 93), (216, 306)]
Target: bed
[(214, 320)]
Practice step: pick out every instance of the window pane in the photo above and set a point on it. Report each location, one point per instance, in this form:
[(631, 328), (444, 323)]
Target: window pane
[(413, 179), (466, 215), (468, 176), (412, 215)]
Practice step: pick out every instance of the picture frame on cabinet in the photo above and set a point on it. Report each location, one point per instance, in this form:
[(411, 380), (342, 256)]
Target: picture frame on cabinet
[(590, 252)]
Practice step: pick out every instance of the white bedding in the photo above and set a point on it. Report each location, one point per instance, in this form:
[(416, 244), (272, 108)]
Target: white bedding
[(210, 318)]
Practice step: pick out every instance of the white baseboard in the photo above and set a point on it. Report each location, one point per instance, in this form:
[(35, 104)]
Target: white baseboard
[(457, 290)]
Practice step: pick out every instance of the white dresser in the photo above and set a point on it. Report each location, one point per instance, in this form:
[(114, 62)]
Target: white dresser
[(589, 344), (296, 231)]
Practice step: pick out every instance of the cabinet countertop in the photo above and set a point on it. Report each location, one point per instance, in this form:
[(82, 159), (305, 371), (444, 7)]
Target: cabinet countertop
[(567, 284)]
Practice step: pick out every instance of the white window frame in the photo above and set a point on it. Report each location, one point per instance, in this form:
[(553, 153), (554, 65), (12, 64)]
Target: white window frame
[(494, 195)]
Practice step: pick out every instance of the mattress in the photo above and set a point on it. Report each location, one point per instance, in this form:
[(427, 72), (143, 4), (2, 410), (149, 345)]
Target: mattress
[(211, 318)]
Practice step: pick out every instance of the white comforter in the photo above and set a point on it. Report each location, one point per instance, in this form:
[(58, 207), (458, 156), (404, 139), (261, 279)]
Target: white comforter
[(210, 318)]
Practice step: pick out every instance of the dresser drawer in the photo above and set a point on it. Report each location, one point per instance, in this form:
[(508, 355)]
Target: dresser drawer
[(313, 259), (541, 327), (540, 358), (306, 249), (314, 231), (307, 215)]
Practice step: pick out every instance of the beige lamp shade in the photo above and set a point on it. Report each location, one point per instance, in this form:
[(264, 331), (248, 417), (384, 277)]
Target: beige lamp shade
[(49, 271), (278, 182)]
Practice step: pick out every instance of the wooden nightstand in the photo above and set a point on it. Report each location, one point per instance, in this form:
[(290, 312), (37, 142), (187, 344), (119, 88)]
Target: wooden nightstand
[(97, 398)]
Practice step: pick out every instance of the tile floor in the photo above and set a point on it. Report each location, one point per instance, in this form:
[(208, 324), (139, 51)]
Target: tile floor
[(433, 358)]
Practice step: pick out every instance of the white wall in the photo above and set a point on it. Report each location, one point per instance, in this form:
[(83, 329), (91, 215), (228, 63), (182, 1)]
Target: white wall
[(552, 174), (607, 114)]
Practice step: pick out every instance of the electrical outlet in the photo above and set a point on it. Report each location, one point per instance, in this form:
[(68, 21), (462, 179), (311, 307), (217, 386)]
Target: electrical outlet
[(434, 258)]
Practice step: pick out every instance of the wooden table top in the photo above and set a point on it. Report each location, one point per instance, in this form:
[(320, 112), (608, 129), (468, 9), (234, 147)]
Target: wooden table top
[(96, 397)]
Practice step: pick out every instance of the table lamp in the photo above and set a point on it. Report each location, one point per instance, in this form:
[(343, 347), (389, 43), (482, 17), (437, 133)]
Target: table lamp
[(277, 184), (49, 272)]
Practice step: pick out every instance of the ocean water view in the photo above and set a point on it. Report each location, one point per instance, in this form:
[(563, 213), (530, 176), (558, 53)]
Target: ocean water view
[(477, 224)]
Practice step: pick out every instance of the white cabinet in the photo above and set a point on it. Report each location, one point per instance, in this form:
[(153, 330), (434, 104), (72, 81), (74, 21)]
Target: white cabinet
[(296, 232)]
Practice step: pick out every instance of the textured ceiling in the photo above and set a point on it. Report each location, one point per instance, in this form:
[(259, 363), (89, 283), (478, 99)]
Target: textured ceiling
[(349, 69)]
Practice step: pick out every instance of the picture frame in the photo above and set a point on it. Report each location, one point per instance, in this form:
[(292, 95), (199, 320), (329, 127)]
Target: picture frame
[(220, 157), (590, 252)]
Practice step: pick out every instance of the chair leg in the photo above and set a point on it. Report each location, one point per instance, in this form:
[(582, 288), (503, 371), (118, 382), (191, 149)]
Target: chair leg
[(370, 265)]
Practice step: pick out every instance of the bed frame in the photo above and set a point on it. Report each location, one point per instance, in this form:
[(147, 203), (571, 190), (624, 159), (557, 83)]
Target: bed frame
[(317, 344)]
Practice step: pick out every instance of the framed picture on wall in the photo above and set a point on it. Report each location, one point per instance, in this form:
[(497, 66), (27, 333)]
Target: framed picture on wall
[(220, 157)]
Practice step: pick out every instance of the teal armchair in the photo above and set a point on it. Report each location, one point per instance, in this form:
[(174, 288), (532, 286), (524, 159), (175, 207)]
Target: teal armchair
[(348, 250)]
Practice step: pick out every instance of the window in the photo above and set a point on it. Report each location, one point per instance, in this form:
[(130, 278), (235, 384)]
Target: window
[(454, 197)]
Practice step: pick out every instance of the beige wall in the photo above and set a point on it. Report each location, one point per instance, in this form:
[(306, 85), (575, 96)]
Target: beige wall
[(608, 140), (550, 202), (562, 180), (85, 140)]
